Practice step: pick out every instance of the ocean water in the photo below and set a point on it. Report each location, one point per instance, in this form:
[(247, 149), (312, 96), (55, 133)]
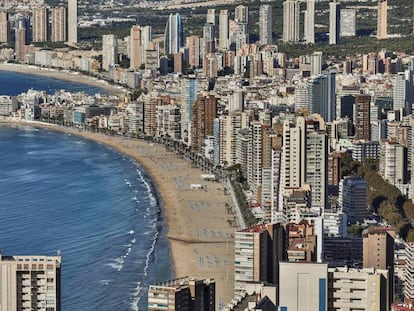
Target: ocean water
[(98, 207), (13, 83)]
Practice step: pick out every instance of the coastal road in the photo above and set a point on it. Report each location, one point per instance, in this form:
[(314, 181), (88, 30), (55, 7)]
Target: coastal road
[(236, 206)]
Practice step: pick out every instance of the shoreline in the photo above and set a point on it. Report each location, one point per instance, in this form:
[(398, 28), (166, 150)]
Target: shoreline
[(197, 228), (65, 76)]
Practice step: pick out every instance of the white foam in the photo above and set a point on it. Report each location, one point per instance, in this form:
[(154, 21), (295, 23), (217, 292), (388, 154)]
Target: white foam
[(117, 263), (136, 295), (131, 232), (151, 196)]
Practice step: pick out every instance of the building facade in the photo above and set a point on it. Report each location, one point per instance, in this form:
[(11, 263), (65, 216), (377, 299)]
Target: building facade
[(183, 294), (30, 283)]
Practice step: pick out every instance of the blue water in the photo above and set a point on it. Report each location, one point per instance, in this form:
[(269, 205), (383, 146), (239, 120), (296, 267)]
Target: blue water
[(62, 192), (12, 83)]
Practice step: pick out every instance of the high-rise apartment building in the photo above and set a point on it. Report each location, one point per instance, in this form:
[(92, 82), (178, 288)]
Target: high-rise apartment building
[(334, 22), (293, 156), (224, 42), (188, 97), (109, 51), (204, 111), (4, 27), (135, 53), (255, 157), (353, 199), (265, 24), (30, 283), (393, 162), (305, 160), (317, 169), (354, 289), (403, 97), (72, 21), (151, 102), (183, 294), (241, 14), (409, 271), (58, 29), (169, 121), (291, 19), (211, 16), (20, 43), (322, 96), (235, 122), (193, 45), (174, 34), (309, 30), (378, 253), (146, 43), (258, 251), (362, 117), (382, 19), (40, 24), (348, 23)]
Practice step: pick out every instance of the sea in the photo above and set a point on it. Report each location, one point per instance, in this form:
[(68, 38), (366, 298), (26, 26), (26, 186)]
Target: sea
[(93, 205), (14, 83)]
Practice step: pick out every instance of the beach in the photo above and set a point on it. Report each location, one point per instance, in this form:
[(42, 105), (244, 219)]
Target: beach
[(63, 75), (200, 232)]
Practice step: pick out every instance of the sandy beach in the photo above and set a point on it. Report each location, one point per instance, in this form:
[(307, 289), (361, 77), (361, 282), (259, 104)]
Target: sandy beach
[(62, 75), (199, 228)]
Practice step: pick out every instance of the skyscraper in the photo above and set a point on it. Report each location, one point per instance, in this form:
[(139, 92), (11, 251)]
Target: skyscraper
[(193, 45), (174, 34), (334, 22), (265, 24), (146, 39), (291, 10), (4, 27), (403, 92), (211, 16), (20, 42), (224, 30), (241, 14), (322, 96), (293, 156), (40, 24), (362, 117), (109, 51), (317, 168), (204, 111), (135, 53), (58, 31), (188, 97), (382, 19), (72, 21), (348, 23), (30, 283), (310, 21)]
